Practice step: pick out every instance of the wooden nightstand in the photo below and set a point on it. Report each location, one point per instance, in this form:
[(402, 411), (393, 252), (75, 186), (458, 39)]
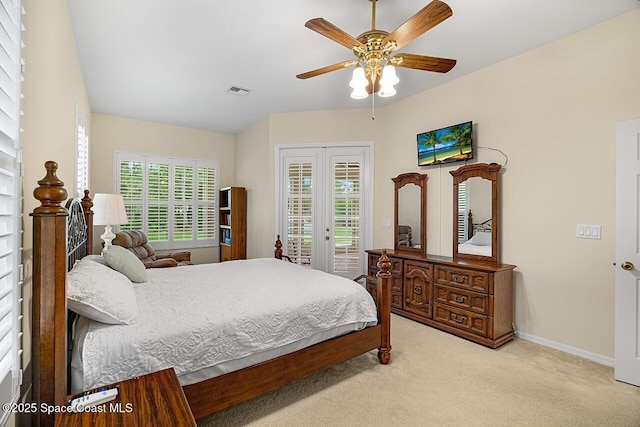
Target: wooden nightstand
[(154, 399)]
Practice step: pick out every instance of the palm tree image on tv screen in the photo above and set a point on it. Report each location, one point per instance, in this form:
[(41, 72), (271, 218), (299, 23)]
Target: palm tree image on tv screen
[(445, 145)]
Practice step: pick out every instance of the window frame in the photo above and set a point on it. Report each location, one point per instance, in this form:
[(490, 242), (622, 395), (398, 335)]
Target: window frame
[(171, 202)]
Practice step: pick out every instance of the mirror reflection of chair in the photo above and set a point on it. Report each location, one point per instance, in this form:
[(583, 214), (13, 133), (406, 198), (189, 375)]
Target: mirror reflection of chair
[(404, 235), (137, 242)]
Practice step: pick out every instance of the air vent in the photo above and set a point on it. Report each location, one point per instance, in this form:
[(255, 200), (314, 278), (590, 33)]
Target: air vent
[(240, 91)]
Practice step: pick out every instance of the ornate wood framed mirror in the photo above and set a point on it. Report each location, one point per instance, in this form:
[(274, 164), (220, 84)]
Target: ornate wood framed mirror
[(475, 212), (410, 226)]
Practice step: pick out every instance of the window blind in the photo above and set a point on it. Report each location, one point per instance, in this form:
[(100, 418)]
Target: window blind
[(463, 217), (346, 227), (206, 203), (10, 200), (82, 156), (172, 200), (300, 212)]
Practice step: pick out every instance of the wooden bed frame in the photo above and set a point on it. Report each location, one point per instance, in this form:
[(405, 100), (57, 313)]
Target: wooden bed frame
[(481, 226), (62, 235)]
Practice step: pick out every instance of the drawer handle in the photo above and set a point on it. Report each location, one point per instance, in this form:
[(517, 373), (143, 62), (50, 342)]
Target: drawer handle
[(458, 318), (417, 289), (459, 300), (458, 279)]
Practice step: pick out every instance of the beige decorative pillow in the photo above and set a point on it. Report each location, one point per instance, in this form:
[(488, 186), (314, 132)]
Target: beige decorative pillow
[(122, 260)]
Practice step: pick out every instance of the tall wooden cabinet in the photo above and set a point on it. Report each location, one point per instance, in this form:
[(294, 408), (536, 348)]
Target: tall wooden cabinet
[(470, 299), (233, 223)]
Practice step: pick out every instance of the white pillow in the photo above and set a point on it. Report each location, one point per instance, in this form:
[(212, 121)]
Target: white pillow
[(124, 261), (100, 293), (481, 238), (96, 258)]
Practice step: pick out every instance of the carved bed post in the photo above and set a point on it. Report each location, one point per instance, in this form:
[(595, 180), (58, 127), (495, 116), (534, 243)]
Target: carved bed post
[(384, 304), (278, 251), (87, 204), (49, 306)]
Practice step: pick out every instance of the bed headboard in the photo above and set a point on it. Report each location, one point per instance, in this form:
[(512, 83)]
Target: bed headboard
[(474, 228), (61, 235)]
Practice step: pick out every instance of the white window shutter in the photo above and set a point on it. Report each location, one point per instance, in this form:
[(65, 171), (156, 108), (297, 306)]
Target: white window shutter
[(172, 200), (10, 200)]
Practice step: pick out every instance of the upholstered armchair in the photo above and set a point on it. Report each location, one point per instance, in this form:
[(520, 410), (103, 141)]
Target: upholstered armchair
[(136, 242), (404, 235)]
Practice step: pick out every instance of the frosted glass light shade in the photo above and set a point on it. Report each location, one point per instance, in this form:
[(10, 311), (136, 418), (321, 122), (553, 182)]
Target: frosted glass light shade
[(387, 81), (358, 79), (359, 93), (387, 91), (389, 76)]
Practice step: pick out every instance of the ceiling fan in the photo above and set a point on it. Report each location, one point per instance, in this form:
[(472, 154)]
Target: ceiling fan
[(374, 49)]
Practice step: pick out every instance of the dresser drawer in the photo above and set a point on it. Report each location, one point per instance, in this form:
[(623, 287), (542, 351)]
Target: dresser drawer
[(396, 296), (396, 272), (461, 319), (466, 300), (462, 278)]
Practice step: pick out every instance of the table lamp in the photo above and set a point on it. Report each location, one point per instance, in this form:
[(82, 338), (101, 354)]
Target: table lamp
[(108, 210)]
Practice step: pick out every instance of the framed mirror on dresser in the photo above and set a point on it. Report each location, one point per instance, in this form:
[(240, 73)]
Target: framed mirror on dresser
[(470, 294), (475, 212), (410, 225)]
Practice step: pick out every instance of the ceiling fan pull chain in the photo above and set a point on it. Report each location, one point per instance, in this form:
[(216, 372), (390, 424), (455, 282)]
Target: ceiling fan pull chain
[(373, 106)]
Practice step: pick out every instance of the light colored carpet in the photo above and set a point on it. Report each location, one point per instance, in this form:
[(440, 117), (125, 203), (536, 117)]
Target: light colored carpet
[(437, 379)]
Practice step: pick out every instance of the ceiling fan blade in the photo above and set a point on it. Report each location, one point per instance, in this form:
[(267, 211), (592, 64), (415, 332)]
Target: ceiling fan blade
[(427, 18), (327, 69), (424, 63), (327, 29)]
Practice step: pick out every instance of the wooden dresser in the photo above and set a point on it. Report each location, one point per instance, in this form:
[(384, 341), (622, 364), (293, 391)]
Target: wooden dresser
[(471, 299)]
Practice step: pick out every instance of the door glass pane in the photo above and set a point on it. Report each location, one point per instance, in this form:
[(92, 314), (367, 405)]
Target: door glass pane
[(346, 217), (300, 212)]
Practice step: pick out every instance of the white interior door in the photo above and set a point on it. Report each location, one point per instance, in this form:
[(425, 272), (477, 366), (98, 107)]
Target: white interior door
[(323, 208), (627, 289)]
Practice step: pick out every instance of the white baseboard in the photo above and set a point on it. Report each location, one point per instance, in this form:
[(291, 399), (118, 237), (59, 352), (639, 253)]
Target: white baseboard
[(598, 358)]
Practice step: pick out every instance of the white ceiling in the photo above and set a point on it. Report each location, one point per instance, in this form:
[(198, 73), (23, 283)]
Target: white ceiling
[(173, 61)]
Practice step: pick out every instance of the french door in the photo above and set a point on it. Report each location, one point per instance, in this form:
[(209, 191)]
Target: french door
[(324, 205)]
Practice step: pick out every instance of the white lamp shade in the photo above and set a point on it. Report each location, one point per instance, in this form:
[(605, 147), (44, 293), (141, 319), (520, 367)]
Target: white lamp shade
[(386, 91), (359, 93), (389, 76), (108, 209), (358, 80), (388, 80)]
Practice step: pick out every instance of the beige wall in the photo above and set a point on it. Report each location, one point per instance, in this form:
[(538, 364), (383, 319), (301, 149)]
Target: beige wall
[(253, 164), (256, 163), (553, 112), (52, 89), (110, 134)]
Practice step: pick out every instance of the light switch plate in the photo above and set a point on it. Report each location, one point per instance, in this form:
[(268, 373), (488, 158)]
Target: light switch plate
[(588, 231)]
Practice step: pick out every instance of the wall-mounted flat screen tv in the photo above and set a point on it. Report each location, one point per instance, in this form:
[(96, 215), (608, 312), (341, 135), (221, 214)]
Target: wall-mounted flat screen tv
[(445, 145)]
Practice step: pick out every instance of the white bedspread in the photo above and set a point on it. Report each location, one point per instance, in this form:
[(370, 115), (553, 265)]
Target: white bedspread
[(195, 317)]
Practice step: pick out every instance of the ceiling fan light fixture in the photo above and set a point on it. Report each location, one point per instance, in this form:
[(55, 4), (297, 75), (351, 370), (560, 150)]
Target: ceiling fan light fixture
[(374, 48), (358, 79), (359, 93), (387, 81), (386, 91), (389, 76)]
